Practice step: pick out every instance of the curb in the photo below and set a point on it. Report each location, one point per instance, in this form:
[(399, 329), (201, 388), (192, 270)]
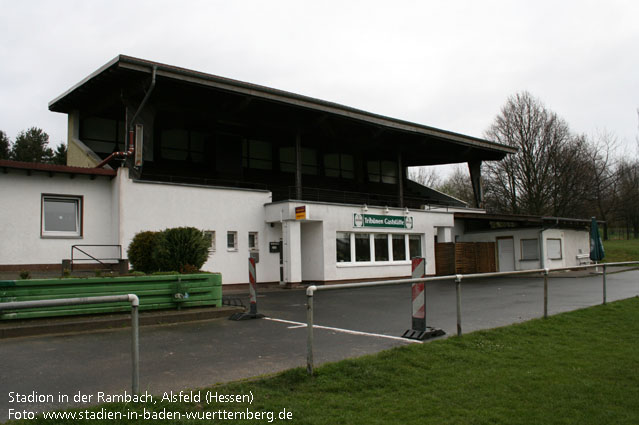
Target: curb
[(36, 327)]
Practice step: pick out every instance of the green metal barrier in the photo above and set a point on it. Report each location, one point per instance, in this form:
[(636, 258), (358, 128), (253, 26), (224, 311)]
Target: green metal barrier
[(155, 293)]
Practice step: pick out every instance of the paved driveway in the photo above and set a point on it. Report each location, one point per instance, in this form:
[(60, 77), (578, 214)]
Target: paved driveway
[(201, 354)]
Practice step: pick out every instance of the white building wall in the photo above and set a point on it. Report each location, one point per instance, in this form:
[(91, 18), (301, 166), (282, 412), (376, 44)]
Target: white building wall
[(571, 242), (20, 216), (157, 206), (339, 218)]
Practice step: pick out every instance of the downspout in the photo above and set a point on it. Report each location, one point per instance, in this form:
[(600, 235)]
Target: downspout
[(131, 126)]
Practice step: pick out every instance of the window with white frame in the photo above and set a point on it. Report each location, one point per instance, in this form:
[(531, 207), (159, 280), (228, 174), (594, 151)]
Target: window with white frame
[(375, 247), (61, 216), (554, 249), (343, 247), (529, 249), (210, 234), (415, 246), (231, 241), (252, 241)]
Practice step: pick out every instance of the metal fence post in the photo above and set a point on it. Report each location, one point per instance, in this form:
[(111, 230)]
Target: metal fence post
[(135, 347), (135, 323), (545, 293), (309, 329), (604, 283), (458, 279)]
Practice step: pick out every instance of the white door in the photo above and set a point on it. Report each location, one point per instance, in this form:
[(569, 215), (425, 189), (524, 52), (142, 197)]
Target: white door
[(506, 253)]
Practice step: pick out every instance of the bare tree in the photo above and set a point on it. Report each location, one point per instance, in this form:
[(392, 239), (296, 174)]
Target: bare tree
[(628, 196), (426, 176), (458, 185), (602, 163), (545, 176)]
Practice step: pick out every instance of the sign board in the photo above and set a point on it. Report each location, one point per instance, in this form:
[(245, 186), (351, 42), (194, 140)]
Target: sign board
[(274, 247), (375, 220), (300, 213)]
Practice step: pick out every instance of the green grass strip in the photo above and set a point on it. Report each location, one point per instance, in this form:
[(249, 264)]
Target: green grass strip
[(621, 250), (580, 367)]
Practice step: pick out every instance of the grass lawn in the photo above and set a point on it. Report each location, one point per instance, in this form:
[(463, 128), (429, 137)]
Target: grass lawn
[(621, 250), (580, 367)]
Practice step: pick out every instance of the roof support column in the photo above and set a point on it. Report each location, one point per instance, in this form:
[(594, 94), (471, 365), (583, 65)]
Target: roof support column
[(400, 180), (474, 167), (298, 165)]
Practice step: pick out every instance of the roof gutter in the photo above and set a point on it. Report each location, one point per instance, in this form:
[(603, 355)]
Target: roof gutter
[(132, 125)]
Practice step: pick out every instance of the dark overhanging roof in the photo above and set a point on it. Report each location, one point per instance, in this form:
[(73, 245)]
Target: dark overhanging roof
[(65, 102)]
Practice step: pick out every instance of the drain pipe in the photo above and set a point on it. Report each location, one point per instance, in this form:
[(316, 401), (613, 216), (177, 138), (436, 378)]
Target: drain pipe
[(131, 128)]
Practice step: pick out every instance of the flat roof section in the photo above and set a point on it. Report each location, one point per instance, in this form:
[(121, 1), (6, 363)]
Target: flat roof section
[(525, 220), (6, 165)]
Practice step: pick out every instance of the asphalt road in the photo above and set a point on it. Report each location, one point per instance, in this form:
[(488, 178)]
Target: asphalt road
[(195, 355)]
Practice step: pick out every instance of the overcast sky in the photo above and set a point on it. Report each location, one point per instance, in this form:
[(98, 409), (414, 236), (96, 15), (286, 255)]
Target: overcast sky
[(447, 64)]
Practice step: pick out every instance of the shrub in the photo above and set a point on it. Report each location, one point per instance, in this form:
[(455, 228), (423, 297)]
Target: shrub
[(141, 251), (25, 274), (182, 249)]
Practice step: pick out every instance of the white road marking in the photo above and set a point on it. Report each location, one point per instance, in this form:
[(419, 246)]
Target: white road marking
[(346, 331)]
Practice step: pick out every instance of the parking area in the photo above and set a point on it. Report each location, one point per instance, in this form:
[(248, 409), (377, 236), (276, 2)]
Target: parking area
[(349, 323)]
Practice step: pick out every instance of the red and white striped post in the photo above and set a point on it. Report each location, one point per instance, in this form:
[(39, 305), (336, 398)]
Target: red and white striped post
[(418, 298), (252, 313), (419, 330), (252, 286)]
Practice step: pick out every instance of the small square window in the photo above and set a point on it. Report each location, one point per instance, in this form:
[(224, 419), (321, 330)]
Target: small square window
[(554, 249), (529, 249), (61, 216), (252, 241), (211, 235), (231, 241)]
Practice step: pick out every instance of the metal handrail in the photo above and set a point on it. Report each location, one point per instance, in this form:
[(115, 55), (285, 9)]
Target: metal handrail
[(457, 278), (135, 332), (91, 257)]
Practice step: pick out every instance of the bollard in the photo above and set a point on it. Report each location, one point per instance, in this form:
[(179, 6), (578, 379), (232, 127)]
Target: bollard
[(545, 293), (604, 283), (309, 330), (458, 279), (252, 313), (419, 329), (135, 347)]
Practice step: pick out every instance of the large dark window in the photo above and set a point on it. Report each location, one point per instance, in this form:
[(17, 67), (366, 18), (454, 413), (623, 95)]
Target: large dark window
[(178, 144), (382, 171), (257, 154), (102, 134), (339, 165), (309, 160)]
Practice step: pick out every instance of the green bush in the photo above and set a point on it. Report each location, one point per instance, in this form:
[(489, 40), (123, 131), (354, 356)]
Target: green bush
[(141, 251), (184, 249)]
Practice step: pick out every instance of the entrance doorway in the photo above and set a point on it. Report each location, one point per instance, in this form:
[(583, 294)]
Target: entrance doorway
[(506, 254)]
